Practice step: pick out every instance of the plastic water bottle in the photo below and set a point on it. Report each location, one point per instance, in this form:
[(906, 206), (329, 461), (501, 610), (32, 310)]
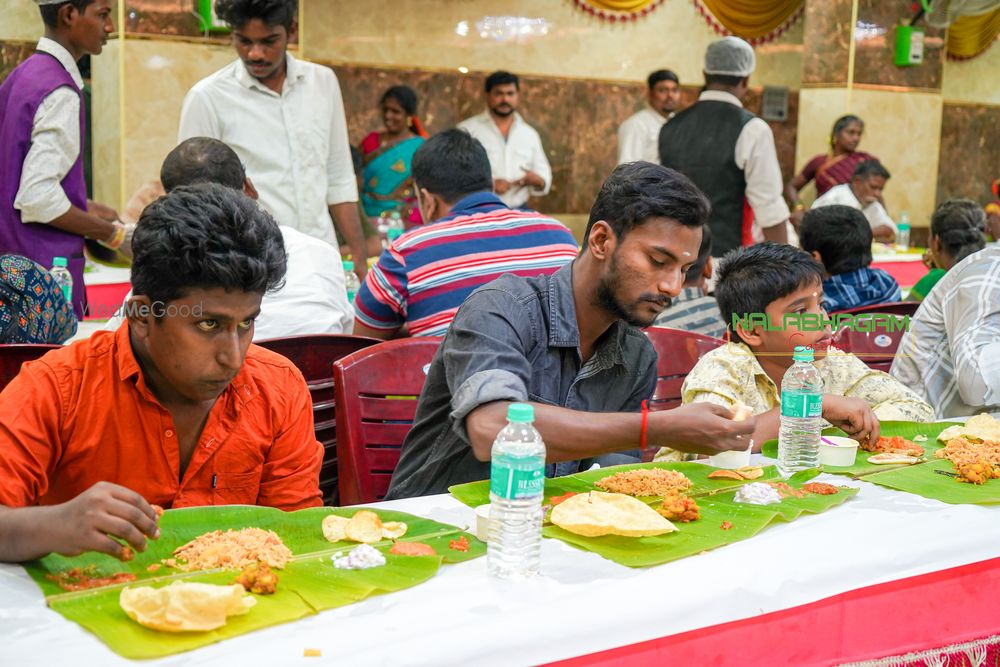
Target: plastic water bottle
[(351, 280), (63, 277), (903, 232), (517, 484), (395, 228), (382, 227), (801, 414)]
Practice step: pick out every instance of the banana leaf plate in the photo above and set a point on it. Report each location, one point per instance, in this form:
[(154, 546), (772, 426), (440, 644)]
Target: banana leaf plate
[(308, 584), (862, 467), (722, 520)]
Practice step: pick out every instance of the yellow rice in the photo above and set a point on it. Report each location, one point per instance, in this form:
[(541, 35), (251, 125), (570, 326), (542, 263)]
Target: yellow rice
[(233, 549)]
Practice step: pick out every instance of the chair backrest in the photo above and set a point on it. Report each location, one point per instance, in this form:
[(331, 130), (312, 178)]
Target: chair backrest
[(894, 308), (677, 351), (314, 356), (877, 348), (12, 355), (376, 392)]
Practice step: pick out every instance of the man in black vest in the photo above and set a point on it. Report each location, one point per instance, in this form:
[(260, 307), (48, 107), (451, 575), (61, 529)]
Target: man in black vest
[(729, 152)]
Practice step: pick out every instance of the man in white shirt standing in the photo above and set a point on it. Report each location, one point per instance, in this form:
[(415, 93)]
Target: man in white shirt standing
[(520, 168), (729, 152), (285, 119), (639, 135), (864, 193), (44, 211)]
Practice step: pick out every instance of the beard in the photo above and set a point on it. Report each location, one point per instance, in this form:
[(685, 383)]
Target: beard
[(607, 298), (503, 111)]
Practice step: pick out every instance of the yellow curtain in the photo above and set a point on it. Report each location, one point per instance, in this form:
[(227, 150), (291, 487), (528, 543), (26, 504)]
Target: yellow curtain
[(620, 5), (969, 36), (752, 19)]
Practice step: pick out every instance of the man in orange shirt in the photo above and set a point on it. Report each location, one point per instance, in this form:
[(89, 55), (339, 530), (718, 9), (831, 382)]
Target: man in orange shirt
[(176, 407)]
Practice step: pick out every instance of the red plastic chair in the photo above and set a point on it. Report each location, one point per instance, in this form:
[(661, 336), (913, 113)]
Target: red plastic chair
[(314, 356), (678, 352), (12, 355), (376, 400), (894, 308), (876, 348)]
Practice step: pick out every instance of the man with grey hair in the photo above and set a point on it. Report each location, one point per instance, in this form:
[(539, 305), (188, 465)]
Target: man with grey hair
[(729, 152)]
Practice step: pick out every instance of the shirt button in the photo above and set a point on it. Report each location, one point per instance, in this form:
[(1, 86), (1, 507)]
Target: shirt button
[(168, 433)]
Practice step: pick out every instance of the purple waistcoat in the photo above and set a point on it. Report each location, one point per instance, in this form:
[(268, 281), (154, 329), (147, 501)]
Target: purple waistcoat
[(20, 96)]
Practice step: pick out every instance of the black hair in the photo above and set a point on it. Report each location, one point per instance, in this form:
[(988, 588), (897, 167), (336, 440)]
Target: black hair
[(841, 235), (500, 78), (202, 160), (50, 13), (870, 168), (405, 96), (727, 80), (358, 159), (206, 236), (237, 13), (751, 278), (960, 224), (693, 274), (452, 164), (661, 75), (841, 123), (637, 191)]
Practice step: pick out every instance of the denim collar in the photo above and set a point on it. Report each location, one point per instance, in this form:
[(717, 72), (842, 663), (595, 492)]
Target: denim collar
[(563, 329)]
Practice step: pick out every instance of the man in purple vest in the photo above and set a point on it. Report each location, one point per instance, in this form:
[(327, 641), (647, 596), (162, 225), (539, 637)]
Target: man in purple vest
[(44, 211)]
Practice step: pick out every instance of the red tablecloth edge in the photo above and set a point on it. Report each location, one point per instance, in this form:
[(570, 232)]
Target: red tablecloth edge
[(917, 613)]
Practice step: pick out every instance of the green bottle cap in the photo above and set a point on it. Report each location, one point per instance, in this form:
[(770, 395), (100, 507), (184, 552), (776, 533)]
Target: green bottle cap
[(803, 353), (520, 413), (348, 265), (59, 261)]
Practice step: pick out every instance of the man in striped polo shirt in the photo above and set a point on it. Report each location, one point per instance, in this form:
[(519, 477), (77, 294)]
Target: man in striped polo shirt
[(420, 281)]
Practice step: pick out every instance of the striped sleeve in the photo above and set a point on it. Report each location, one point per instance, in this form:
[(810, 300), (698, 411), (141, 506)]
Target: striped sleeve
[(381, 301)]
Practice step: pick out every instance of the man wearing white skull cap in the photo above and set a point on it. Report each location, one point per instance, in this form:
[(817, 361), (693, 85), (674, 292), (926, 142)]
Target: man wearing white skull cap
[(729, 152)]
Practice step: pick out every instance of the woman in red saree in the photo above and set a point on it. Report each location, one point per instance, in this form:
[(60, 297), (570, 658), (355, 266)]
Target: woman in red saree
[(833, 168), (387, 185)]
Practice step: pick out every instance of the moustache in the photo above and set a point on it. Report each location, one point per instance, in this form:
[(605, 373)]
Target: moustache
[(664, 301)]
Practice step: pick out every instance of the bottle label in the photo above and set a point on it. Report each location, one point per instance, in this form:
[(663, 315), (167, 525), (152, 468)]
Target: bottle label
[(350, 295), (799, 405), (514, 478), (67, 291)]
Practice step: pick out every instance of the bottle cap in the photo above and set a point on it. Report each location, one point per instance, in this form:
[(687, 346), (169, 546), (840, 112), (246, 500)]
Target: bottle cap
[(59, 261), (394, 234), (348, 265), (802, 353), (521, 413)]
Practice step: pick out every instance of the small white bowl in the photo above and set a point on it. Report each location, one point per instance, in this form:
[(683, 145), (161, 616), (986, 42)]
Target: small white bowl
[(840, 454), (732, 459), (483, 522)]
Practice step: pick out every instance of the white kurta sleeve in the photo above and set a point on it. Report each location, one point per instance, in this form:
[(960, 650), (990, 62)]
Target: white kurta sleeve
[(55, 147)]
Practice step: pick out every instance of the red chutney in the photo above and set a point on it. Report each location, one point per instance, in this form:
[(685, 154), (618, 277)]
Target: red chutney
[(81, 579), (461, 544)]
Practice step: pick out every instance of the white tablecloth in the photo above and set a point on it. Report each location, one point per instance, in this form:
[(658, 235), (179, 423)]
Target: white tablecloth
[(581, 603)]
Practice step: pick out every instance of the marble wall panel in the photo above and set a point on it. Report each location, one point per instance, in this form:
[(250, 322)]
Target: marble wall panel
[(902, 129), (827, 32), (876, 44), (21, 22), (107, 131), (13, 54), (444, 35), (976, 80), (970, 148), (158, 74)]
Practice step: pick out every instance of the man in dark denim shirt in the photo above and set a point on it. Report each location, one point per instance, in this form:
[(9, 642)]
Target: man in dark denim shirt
[(568, 344)]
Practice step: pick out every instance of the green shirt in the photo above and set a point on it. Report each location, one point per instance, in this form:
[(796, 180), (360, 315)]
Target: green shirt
[(924, 285)]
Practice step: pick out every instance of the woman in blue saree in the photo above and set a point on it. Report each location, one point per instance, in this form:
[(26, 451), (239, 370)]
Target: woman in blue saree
[(387, 185)]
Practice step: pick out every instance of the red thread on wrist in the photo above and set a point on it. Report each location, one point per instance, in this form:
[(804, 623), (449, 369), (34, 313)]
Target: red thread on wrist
[(642, 434)]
